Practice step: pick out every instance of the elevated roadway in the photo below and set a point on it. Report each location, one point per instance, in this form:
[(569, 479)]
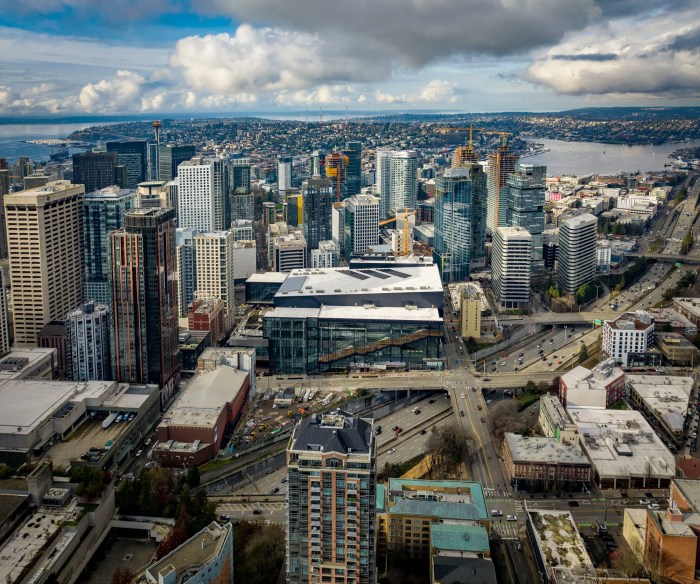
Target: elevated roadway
[(553, 318)]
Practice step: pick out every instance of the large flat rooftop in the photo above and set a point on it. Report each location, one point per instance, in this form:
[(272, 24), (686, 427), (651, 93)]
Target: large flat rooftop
[(621, 444), (363, 312), (343, 281), (545, 450), (666, 396), (201, 402)]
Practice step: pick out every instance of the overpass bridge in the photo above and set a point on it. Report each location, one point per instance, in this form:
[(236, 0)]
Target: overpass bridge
[(556, 318), (683, 259)]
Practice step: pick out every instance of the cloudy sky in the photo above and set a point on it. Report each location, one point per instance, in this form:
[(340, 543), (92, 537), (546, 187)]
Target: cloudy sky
[(140, 56)]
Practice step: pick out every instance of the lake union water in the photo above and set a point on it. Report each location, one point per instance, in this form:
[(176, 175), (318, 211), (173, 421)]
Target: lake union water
[(581, 158)]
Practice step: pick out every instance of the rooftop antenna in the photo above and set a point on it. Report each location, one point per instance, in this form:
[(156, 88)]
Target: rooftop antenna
[(156, 129)]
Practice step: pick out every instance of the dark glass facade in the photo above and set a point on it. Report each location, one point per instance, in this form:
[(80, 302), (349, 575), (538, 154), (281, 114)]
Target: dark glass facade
[(170, 156), (460, 221), (317, 345), (144, 293), (95, 170), (318, 199), (134, 156), (353, 172)]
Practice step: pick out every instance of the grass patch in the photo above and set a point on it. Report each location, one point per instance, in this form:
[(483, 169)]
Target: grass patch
[(620, 405), (212, 464), (397, 470), (13, 484), (527, 398)]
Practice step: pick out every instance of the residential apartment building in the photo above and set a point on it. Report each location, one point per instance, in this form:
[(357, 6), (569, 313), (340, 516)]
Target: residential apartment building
[(144, 300), (631, 332), (331, 512), (361, 225), (186, 268), (576, 253), (44, 238), (511, 266), (203, 194), (103, 212), (501, 164), (88, 344), (215, 267)]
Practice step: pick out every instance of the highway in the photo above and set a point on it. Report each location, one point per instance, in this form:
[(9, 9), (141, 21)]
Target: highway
[(551, 318)]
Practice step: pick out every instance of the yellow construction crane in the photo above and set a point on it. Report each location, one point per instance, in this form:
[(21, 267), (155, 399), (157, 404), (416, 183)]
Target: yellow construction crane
[(471, 129), (405, 215)]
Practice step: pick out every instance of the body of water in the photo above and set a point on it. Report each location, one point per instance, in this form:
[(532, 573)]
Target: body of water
[(13, 139), (581, 158)]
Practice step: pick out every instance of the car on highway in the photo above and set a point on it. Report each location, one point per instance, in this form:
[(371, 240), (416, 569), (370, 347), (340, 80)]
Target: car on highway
[(503, 363), (489, 401), (512, 518), (496, 513), (423, 431), (644, 501), (521, 355), (284, 480), (391, 451), (483, 420), (275, 491), (487, 379), (431, 401), (462, 396), (416, 410), (478, 406), (394, 428), (653, 505), (573, 503), (138, 453), (257, 512), (461, 413), (519, 545)]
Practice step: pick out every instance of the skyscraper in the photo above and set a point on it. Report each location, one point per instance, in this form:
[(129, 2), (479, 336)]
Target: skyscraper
[(242, 205), (331, 509), (44, 240), (144, 297), (460, 220), (383, 178), (526, 193), (203, 194), (353, 179), (186, 268), (88, 343), (4, 318), (169, 158), (361, 225), (214, 257), (336, 170), (4, 190), (284, 174), (512, 257), (397, 181), (134, 156), (576, 254), (318, 196), (103, 212), (295, 210), (95, 170), (240, 174), (501, 165), (317, 163)]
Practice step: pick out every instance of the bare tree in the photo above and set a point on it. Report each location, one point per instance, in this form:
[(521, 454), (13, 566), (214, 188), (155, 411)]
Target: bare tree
[(447, 449), (627, 559), (505, 417)]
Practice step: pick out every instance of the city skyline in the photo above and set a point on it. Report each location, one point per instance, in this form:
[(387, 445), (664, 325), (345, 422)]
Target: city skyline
[(79, 57)]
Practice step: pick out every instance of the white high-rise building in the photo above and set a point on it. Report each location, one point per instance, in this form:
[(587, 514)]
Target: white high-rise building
[(338, 225), (215, 274), (404, 181), (88, 343), (4, 318), (383, 174), (631, 332), (203, 194), (361, 225), (576, 256), (397, 182), (284, 173), (512, 256)]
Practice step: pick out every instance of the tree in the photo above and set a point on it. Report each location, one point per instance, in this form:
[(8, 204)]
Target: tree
[(553, 292), (447, 449), (262, 556), (193, 477), (628, 560), (530, 386), (505, 417), (582, 353)]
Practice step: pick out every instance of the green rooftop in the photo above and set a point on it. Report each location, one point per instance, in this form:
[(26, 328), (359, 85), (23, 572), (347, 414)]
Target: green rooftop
[(459, 537)]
